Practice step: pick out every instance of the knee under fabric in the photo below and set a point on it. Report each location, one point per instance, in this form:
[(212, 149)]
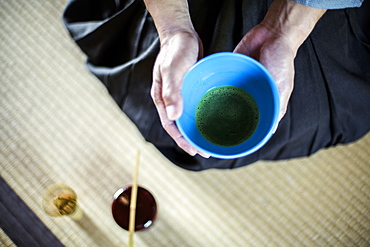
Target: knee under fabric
[(329, 104)]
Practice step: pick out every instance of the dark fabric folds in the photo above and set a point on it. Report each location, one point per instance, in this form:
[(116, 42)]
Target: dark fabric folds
[(330, 103), (20, 223), (121, 43)]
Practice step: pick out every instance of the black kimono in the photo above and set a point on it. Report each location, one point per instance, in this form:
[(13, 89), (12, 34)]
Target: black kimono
[(330, 103)]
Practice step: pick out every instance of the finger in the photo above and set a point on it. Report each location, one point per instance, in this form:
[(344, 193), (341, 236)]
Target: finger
[(168, 101), (168, 74), (242, 47), (173, 70), (173, 131), (204, 155), (171, 91), (283, 73), (169, 125), (285, 85), (284, 100), (182, 142)]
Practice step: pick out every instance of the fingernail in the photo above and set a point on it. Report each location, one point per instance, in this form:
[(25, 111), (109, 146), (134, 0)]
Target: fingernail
[(192, 152), (206, 156), (171, 112), (273, 132)]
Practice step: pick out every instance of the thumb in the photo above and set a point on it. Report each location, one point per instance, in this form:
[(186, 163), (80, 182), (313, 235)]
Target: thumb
[(178, 60), (174, 107), (171, 95), (242, 47)]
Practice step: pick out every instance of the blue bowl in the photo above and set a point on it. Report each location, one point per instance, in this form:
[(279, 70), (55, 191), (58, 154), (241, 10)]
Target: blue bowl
[(229, 69)]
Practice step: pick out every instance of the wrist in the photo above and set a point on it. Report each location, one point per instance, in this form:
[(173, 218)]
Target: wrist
[(292, 20), (170, 17)]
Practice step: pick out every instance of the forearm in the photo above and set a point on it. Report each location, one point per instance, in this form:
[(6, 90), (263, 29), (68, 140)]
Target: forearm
[(293, 20), (169, 16)]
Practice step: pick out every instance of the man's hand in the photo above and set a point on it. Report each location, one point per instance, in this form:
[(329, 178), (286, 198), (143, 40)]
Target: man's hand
[(275, 41), (179, 51), (181, 47), (275, 52)]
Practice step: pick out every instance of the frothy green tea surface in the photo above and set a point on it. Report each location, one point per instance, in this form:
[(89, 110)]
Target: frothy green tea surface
[(227, 116)]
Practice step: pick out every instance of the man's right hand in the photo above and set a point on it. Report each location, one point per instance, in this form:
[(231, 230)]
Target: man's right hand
[(179, 51)]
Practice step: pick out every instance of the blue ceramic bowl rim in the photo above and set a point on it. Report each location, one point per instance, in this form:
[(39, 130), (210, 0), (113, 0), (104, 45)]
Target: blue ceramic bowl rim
[(275, 94)]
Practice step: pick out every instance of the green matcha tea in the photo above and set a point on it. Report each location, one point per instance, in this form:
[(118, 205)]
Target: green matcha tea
[(227, 116)]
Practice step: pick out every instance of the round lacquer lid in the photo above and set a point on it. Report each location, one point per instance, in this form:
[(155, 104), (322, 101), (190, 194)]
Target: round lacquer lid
[(146, 208)]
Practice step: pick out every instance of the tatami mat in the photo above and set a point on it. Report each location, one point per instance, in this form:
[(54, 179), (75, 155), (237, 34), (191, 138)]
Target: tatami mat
[(5, 240), (59, 125)]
